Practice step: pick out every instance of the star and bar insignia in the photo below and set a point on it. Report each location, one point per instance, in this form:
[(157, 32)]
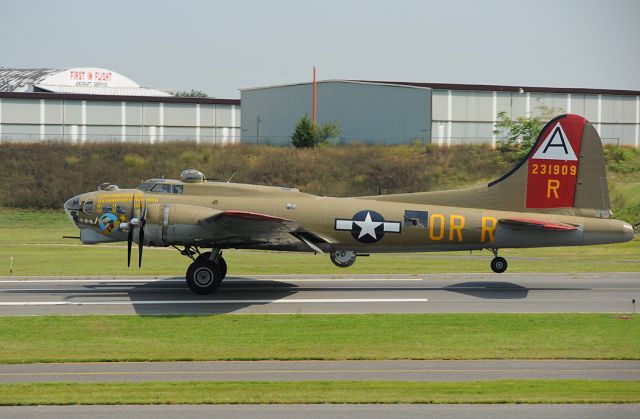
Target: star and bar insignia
[(367, 226)]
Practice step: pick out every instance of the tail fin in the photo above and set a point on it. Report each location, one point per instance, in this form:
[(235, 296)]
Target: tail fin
[(564, 173)]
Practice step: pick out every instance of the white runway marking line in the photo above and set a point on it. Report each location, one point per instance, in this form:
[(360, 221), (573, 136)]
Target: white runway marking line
[(290, 301)]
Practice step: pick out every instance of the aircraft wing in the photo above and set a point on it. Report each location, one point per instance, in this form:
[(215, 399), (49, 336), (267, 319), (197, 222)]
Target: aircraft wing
[(518, 223), (256, 228)]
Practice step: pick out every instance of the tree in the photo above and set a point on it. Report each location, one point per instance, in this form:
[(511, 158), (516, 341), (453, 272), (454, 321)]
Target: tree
[(307, 134), (192, 93), (303, 135), (326, 132), (519, 135)]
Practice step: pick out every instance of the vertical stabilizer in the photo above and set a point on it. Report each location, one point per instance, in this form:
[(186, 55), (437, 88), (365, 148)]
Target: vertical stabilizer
[(564, 173)]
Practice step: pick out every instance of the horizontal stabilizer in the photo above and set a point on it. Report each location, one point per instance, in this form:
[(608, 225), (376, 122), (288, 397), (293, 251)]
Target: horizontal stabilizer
[(534, 224)]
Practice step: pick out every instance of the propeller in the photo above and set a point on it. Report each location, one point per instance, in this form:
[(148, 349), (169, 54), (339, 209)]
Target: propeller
[(130, 226), (143, 221), (130, 235)]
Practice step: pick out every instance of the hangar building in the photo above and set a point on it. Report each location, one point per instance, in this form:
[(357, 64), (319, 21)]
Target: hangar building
[(402, 112), (372, 112), (96, 104)]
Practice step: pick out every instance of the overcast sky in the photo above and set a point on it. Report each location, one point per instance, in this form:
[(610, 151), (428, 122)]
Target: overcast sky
[(222, 46)]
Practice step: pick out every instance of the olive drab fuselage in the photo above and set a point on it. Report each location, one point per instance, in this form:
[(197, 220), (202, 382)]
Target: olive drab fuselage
[(340, 222)]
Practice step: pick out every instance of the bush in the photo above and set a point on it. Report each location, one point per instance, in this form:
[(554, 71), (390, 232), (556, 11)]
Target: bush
[(622, 159), (133, 160), (307, 134)]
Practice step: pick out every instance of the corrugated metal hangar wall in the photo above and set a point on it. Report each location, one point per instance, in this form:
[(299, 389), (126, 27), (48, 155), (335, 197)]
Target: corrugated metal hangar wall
[(374, 113), (468, 116), (384, 112), (78, 118)]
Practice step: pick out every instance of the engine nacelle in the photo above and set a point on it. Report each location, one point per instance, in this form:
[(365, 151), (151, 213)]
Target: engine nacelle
[(176, 224)]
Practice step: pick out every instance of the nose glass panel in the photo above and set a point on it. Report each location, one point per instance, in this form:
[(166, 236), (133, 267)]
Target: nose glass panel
[(72, 204)]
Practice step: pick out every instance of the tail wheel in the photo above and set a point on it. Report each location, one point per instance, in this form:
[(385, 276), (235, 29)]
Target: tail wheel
[(343, 258), (204, 276), (499, 264)]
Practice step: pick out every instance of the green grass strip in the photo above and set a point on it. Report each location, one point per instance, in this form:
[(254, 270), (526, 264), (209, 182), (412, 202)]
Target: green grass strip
[(270, 392), (50, 258), (286, 337)]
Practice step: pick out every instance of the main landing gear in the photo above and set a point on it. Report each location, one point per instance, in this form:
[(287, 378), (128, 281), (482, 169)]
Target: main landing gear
[(498, 264), (206, 272)]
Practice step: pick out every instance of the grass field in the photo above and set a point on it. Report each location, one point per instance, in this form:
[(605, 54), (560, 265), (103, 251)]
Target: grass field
[(287, 337), (34, 240), (253, 392)]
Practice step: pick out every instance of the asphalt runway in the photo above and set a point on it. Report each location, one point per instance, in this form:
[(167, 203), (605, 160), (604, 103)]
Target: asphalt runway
[(401, 370), (504, 293), (353, 411)]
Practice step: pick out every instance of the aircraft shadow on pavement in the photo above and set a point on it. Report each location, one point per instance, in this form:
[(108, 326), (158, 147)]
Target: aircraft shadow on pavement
[(240, 294), (173, 296), (490, 290), (496, 290)]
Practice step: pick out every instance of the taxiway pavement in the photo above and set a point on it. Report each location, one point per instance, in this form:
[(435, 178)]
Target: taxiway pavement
[(352, 411), (398, 370), (505, 293)]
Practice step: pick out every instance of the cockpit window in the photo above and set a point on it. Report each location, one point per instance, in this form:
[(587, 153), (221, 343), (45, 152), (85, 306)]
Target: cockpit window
[(145, 186), (161, 188), (167, 188)]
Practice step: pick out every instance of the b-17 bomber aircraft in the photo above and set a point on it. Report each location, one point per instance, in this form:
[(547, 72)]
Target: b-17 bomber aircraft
[(556, 196)]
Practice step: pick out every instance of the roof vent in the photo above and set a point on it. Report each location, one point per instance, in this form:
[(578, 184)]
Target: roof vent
[(192, 176)]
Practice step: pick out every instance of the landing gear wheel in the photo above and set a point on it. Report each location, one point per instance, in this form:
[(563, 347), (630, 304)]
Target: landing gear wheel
[(220, 261), (204, 276), (223, 267), (499, 264), (205, 256), (343, 258)]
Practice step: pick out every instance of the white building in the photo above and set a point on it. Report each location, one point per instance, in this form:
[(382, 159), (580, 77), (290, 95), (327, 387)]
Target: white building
[(95, 104)]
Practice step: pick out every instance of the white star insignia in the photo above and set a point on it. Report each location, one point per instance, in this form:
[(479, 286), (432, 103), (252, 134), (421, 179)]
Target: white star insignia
[(368, 226)]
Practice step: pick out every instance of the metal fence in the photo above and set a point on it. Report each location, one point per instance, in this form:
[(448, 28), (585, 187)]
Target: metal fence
[(17, 137)]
